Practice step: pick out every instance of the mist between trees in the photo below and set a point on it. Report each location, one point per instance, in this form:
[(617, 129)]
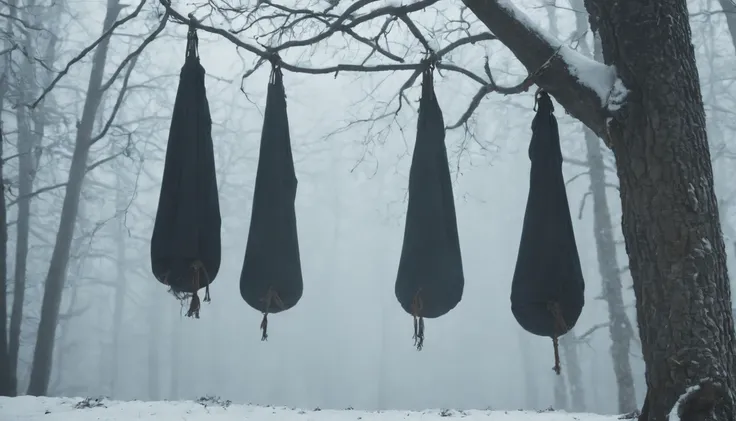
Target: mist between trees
[(87, 93)]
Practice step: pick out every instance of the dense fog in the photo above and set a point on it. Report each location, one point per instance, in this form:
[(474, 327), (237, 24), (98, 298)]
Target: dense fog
[(347, 343)]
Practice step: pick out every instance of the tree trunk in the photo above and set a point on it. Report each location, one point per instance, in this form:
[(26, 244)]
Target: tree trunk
[(31, 128), (25, 187), (7, 382), (670, 215), (57, 386), (573, 371), (42, 357), (120, 282), (8, 364)]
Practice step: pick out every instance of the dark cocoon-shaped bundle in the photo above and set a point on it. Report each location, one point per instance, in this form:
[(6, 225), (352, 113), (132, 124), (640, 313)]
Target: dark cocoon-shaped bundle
[(271, 279), (430, 279), (547, 293), (185, 245)]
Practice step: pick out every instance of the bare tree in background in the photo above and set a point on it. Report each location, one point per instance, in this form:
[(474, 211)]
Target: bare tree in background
[(7, 378), (7, 388), (85, 138), (31, 126), (120, 281)]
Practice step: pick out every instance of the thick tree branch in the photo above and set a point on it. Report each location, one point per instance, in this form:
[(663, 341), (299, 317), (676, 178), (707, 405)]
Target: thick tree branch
[(532, 49)]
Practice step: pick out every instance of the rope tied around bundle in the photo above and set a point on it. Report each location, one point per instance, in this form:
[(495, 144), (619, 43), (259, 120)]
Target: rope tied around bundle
[(271, 295), (192, 39), (416, 310), (560, 326), (538, 95)]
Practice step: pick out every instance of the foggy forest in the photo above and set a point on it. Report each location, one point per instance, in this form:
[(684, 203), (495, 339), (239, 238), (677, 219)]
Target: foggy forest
[(87, 91)]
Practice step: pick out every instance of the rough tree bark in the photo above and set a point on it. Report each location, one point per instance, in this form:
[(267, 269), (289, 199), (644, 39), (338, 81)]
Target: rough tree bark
[(620, 328), (54, 285), (670, 215)]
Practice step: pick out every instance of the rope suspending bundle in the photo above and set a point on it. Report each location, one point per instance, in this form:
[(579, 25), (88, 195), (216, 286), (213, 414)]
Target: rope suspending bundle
[(430, 278), (547, 291), (271, 278), (185, 243)]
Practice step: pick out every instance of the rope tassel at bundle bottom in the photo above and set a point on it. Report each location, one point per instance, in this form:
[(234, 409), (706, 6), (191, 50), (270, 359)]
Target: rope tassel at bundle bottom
[(560, 326), (195, 303), (270, 296), (548, 289), (416, 306)]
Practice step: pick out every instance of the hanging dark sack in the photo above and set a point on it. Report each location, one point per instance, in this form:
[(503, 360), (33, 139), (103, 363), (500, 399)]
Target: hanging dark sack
[(185, 245), (271, 279), (430, 280), (547, 292)]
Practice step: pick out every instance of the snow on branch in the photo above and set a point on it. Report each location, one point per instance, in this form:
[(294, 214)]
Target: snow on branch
[(590, 91), (600, 78)]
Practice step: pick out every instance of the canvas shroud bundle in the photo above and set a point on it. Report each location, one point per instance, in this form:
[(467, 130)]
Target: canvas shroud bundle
[(185, 245), (547, 291), (430, 278), (271, 278)]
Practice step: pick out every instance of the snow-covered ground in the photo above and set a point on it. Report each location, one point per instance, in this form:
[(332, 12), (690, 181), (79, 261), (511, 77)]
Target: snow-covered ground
[(208, 409)]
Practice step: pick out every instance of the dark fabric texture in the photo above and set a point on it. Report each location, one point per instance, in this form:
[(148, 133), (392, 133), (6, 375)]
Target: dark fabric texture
[(185, 244), (548, 266), (271, 279), (430, 267)]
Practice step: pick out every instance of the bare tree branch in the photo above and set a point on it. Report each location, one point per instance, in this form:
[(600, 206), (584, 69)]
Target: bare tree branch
[(85, 51)]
